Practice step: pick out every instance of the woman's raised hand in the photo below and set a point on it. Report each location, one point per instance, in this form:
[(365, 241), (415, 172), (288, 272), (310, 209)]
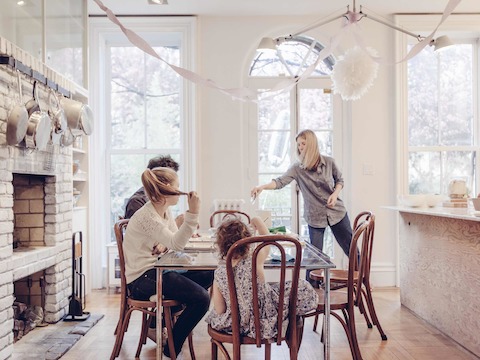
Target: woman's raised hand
[(193, 202)]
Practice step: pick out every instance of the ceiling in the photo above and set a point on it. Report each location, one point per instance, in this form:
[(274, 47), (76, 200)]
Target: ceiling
[(277, 7)]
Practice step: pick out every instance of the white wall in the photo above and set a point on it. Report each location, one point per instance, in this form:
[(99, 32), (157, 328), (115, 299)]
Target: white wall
[(226, 151)]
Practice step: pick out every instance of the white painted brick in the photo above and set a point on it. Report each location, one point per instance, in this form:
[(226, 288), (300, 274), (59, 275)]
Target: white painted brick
[(6, 227), (6, 302), (7, 352), (52, 209), (6, 278), (6, 214), (57, 218), (6, 175)]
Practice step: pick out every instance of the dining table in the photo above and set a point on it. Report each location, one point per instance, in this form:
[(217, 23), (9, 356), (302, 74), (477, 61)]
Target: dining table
[(200, 254)]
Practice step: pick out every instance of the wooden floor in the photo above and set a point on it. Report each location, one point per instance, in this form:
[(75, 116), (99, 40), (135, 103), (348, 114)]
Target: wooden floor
[(409, 338)]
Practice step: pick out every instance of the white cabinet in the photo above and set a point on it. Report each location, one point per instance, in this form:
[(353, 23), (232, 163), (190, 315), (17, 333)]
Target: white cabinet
[(113, 269)]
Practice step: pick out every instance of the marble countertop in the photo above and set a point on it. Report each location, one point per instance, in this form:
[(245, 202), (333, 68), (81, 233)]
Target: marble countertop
[(455, 213)]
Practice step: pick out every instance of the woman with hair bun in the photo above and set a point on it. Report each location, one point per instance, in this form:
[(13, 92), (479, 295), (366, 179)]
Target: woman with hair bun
[(151, 231)]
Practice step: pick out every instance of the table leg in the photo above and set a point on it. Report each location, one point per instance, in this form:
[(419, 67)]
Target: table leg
[(159, 315), (326, 323)]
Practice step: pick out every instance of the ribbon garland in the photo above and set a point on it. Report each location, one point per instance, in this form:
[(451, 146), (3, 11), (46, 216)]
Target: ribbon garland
[(246, 94)]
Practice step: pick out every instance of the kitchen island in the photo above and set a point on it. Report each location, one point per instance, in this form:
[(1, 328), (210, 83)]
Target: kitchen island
[(440, 269)]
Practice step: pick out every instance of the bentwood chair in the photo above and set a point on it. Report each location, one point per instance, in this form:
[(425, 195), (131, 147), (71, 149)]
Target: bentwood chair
[(220, 215), (345, 300), (339, 276), (147, 308), (292, 336)]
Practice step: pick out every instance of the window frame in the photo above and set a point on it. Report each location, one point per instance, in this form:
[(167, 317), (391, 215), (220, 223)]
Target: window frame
[(339, 136), (101, 31), (456, 26)]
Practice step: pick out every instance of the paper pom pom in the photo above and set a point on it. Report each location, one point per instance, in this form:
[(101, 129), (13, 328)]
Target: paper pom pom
[(354, 73)]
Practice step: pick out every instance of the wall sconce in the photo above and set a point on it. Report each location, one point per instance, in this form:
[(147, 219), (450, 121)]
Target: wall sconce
[(158, 2)]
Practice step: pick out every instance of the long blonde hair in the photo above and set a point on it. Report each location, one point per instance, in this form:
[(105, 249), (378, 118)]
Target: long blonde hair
[(311, 156), (157, 183)]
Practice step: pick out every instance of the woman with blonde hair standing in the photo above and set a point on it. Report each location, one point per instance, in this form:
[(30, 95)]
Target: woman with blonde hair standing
[(320, 181)]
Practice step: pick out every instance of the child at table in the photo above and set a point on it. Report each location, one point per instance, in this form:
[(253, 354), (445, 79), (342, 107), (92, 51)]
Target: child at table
[(220, 317)]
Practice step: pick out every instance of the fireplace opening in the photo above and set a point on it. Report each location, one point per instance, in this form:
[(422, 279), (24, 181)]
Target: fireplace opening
[(28, 210), (29, 304)]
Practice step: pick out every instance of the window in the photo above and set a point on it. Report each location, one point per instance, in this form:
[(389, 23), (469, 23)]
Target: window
[(439, 108), (145, 116), (309, 105), (143, 109), (441, 136)]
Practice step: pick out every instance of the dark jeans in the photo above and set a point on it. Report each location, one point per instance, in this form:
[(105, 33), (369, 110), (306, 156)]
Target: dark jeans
[(342, 232), (190, 288)]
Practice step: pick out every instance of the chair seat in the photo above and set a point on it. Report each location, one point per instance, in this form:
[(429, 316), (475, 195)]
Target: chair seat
[(336, 275), (338, 299)]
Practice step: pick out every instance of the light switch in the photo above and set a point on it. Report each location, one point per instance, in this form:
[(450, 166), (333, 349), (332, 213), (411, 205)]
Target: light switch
[(367, 169)]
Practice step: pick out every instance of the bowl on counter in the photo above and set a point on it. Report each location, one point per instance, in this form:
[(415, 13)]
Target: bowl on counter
[(476, 203), (433, 200), (416, 200)]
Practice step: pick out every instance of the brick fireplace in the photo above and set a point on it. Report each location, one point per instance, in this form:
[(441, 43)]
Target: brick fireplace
[(35, 213)]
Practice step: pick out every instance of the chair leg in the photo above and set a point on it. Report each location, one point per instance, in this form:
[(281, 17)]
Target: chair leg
[(315, 323), (268, 351), (214, 350), (143, 334), (362, 308), (345, 324), (167, 313), (190, 346), (121, 316), (373, 314), (120, 335)]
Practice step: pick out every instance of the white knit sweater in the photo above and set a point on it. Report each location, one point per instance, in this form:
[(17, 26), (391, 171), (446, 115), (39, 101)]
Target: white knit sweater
[(146, 229)]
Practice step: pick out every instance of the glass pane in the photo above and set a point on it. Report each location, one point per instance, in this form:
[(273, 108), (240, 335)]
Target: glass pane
[(127, 98), (65, 38), (292, 57), (22, 25), (124, 183), (315, 110), (424, 173), (163, 100), (273, 151), (274, 112), (145, 99), (279, 202), (440, 97), (431, 172)]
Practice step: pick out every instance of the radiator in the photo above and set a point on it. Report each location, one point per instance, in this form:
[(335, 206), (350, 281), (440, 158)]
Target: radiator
[(228, 204)]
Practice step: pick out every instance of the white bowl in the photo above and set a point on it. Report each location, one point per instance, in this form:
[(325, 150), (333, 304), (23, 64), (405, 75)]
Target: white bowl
[(412, 200), (433, 200), (476, 203)]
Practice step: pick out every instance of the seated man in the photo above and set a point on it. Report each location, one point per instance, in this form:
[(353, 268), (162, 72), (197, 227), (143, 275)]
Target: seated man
[(139, 198)]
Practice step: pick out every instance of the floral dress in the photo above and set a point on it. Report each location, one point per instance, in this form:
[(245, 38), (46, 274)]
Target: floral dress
[(268, 295)]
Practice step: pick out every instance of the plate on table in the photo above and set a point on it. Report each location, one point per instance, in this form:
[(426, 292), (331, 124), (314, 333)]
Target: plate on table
[(199, 245), (476, 213), (203, 238)]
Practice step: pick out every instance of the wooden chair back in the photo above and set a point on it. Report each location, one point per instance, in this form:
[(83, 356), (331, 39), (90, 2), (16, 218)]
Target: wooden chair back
[(361, 236), (220, 215), (260, 242)]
